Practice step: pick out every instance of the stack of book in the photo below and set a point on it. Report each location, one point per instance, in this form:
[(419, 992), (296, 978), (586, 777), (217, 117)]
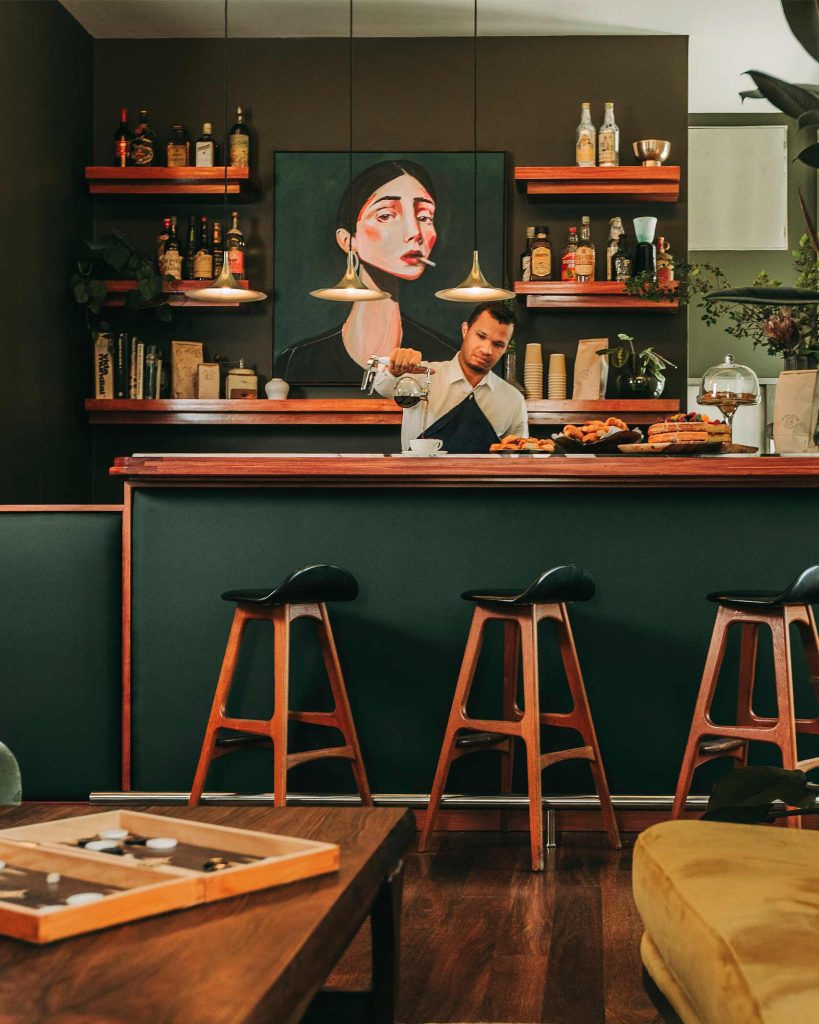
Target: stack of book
[(125, 367)]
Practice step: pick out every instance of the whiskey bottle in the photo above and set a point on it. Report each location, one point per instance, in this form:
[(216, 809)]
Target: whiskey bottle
[(173, 256), (122, 139), (585, 139), (567, 258), (161, 242), (142, 147), (541, 264), (236, 247), (526, 256), (205, 147), (179, 147), (615, 230), (203, 261), (584, 256), (191, 245), (239, 142), (609, 139), (218, 247), (622, 260)]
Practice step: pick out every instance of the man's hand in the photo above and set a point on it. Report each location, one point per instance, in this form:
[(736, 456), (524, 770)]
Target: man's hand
[(405, 360)]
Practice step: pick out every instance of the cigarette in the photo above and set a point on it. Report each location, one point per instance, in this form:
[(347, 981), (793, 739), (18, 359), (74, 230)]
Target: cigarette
[(429, 263)]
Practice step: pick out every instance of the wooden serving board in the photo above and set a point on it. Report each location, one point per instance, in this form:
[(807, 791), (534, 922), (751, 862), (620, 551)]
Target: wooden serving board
[(136, 881), (687, 448)]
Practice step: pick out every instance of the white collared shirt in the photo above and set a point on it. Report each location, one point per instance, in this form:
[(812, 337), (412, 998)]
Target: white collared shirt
[(500, 403)]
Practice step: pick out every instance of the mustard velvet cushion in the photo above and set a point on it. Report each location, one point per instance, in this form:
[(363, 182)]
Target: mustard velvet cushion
[(731, 914)]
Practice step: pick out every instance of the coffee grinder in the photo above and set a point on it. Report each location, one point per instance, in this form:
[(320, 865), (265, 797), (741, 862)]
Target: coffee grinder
[(645, 255)]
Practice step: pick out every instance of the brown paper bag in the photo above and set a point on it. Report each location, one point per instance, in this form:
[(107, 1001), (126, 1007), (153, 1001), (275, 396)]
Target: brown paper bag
[(591, 371), (185, 358), (795, 411)]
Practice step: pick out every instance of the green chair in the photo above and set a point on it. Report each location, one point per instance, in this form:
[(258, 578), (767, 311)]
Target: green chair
[(11, 791)]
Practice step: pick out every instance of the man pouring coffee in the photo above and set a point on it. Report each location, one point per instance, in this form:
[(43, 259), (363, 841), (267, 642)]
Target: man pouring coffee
[(469, 407)]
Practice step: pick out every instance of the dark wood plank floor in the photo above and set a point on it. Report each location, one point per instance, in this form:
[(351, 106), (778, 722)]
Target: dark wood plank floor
[(485, 939)]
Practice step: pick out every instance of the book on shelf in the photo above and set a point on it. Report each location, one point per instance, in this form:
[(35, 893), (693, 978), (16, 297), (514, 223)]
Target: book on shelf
[(158, 390), (132, 368), (149, 390), (103, 366), (140, 370), (121, 356)]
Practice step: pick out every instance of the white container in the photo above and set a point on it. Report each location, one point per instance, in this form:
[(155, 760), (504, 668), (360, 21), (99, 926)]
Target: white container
[(277, 388)]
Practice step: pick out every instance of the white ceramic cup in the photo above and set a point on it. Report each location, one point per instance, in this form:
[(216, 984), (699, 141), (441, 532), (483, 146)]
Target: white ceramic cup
[(426, 445)]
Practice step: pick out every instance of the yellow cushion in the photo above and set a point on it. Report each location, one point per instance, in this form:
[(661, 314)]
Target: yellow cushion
[(731, 914)]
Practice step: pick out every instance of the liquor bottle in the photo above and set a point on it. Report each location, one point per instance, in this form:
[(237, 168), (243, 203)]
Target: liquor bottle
[(173, 255), (621, 262), (239, 142), (178, 147), (142, 147), (609, 140), (615, 230), (567, 267), (206, 147), (665, 262), (218, 247), (191, 245), (585, 139), (236, 247), (540, 268), (526, 256), (161, 242), (122, 139), (203, 262), (584, 256)]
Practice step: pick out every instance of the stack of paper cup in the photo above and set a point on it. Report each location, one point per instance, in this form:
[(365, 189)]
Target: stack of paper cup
[(533, 372), (557, 377)]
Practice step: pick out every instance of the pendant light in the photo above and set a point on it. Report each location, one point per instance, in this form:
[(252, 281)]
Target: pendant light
[(224, 288), (350, 288), (475, 287)]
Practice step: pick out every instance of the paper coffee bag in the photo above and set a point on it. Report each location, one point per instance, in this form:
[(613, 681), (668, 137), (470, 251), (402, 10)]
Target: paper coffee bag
[(795, 411), (591, 371)]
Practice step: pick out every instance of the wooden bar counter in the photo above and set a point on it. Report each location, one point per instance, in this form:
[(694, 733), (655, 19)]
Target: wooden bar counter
[(657, 533)]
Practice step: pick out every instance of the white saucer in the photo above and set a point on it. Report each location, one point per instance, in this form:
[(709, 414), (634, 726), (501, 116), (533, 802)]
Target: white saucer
[(424, 455)]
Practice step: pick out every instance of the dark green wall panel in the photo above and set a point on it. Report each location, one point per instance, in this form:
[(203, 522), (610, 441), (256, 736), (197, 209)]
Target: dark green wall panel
[(642, 641), (60, 650)]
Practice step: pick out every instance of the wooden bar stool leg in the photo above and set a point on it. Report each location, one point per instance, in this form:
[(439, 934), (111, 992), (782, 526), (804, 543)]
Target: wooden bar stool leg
[(749, 643), (455, 722), (217, 711), (585, 724), (281, 697), (511, 711), (785, 737), (531, 733), (699, 721), (810, 644), (341, 700)]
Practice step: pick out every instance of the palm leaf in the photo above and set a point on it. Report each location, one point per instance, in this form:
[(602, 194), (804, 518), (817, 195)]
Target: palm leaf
[(803, 19), (810, 156), (760, 296), (809, 118), (755, 94), (792, 100)]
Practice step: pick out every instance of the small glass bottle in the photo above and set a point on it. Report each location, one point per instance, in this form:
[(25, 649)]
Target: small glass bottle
[(584, 256), (239, 142), (236, 247), (621, 262), (190, 248), (161, 242), (567, 268), (585, 139), (540, 268), (609, 140), (122, 140), (665, 262), (142, 144), (173, 255), (205, 148), (218, 246), (615, 230), (203, 261), (526, 256), (179, 147)]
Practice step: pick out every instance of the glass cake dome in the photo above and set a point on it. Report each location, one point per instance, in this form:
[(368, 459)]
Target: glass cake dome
[(728, 385)]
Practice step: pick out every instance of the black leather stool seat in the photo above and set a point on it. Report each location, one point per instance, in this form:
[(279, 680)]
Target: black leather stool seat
[(803, 590), (554, 586), (312, 584)]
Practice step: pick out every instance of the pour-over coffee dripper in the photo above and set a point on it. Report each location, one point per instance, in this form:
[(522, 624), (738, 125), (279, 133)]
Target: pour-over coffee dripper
[(645, 255)]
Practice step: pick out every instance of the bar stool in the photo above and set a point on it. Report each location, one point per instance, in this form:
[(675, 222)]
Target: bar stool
[(521, 611), (302, 594), (752, 609)]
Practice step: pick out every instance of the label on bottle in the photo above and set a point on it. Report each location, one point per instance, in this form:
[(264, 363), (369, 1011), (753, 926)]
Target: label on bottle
[(584, 262), (204, 154), (121, 153), (526, 267), (567, 267), (239, 150), (665, 274), (584, 149), (622, 268), (173, 264), (202, 265), (142, 152), (608, 147), (236, 262), (177, 154), (541, 266)]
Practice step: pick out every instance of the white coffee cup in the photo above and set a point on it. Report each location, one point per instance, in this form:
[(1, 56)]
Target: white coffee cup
[(426, 445)]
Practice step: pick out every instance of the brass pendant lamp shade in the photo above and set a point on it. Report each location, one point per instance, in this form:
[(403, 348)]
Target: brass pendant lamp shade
[(475, 287), (224, 287), (350, 288)]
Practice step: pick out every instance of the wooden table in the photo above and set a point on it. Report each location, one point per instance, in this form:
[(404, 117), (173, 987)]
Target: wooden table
[(260, 957)]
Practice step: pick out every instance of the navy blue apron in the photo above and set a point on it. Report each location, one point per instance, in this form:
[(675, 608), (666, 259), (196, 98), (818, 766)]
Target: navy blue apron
[(464, 430)]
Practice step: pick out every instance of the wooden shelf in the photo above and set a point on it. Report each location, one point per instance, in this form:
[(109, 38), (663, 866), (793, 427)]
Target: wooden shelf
[(176, 289), (591, 295), (342, 411), (627, 184), (171, 181)]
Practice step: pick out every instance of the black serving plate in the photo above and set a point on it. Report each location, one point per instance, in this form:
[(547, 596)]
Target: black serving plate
[(608, 445)]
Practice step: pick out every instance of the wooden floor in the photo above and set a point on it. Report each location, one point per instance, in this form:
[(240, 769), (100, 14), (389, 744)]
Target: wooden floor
[(484, 939)]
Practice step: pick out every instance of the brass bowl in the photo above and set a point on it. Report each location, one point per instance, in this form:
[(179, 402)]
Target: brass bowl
[(652, 152)]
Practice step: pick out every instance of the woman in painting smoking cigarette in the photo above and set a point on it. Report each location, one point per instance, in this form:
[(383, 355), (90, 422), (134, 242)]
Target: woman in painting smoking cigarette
[(393, 234)]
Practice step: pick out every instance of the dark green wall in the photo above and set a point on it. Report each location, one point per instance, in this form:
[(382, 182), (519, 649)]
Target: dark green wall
[(46, 78)]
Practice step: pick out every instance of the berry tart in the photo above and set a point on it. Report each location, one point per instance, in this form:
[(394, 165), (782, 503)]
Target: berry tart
[(688, 428)]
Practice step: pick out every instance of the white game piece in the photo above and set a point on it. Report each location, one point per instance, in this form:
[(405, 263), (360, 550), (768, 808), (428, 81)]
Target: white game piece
[(53, 877), (113, 833), (80, 898), (160, 843), (2, 864), (102, 845)]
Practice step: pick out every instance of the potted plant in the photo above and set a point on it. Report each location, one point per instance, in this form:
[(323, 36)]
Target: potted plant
[(643, 372)]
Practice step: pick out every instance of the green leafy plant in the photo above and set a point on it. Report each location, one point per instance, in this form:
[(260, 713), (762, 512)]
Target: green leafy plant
[(751, 796), (644, 362)]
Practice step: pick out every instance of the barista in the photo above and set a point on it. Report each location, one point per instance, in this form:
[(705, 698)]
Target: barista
[(469, 407)]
